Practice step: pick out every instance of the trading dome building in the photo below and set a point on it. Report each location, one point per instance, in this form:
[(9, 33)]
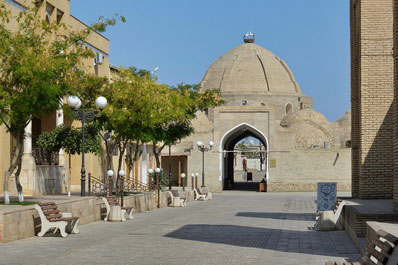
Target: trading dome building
[(296, 146)]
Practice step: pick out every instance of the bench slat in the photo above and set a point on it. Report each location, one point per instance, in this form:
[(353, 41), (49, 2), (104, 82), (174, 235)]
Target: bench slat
[(46, 203), (48, 207), (54, 217), (378, 255), (367, 261), (388, 236), (384, 246), (51, 212)]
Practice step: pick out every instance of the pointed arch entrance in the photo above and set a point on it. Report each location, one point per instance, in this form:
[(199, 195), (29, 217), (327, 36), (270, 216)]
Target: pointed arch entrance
[(227, 145)]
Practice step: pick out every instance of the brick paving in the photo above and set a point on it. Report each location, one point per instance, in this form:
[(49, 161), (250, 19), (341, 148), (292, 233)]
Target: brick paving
[(233, 228)]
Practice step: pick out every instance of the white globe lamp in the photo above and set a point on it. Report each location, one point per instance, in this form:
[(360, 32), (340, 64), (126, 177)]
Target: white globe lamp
[(101, 102)]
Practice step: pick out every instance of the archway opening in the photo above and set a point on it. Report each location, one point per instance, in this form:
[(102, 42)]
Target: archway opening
[(245, 158)]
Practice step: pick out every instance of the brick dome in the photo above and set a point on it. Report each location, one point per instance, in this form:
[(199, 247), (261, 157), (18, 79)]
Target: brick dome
[(250, 69)]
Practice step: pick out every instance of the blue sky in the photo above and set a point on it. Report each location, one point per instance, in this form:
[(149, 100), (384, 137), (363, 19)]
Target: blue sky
[(183, 38)]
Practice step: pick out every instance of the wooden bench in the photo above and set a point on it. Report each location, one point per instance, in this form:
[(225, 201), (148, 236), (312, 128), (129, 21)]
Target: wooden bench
[(52, 218), (382, 251), (209, 195), (176, 201), (113, 201), (199, 196)]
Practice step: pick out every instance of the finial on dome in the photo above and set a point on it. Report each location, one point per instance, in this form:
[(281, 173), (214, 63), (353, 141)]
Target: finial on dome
[(248, 37)]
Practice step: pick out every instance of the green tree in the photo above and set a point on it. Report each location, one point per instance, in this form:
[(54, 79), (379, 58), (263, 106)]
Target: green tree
[(135, 101), (36, 69), (176, 124), (69, 139)]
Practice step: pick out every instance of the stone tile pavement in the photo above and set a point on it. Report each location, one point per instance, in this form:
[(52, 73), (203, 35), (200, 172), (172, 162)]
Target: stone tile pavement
[(233, 228)]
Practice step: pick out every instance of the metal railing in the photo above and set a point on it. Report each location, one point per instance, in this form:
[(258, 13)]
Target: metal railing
[(136, 186), (42, 157), (97, 187)]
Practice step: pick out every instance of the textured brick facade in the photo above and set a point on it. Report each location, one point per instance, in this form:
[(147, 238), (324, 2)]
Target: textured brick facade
[(395, 106), (372, 95)]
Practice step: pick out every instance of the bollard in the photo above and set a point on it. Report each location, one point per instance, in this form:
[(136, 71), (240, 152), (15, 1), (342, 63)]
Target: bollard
[(89, 184), (121, 186), (158, 188), (110, 186)]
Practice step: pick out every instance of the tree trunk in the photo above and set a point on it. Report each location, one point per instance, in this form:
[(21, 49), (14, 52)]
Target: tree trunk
[(109, 156), (16, 161), (122, 148), (70, 174), (157, 159), (157, 153)]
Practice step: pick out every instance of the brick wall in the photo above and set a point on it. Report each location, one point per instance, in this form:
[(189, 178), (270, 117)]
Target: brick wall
[(395, 107), (372, 95), (355, 77)]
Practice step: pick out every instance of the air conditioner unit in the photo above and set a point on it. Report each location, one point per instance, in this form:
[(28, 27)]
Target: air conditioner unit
[(99, 59)]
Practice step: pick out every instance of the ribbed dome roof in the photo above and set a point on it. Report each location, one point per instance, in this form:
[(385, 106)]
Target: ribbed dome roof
[(250, 69)]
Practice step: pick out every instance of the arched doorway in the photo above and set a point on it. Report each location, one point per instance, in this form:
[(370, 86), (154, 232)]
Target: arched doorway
[(227, 154)]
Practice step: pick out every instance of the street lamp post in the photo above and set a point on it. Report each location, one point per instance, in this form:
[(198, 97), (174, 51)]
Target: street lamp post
[(196, 179), (110, 182), (157, 173), (204, 149), (75, 103), (157, 170), (169, 166), (121, 186), (183, 181), (193, 179)]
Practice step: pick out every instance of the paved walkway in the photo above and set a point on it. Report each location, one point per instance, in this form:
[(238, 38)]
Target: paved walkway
[(233, 228)]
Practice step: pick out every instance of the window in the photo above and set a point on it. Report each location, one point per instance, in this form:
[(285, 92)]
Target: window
[(49, 12), (303, 105), (60, 14), (288, 108)]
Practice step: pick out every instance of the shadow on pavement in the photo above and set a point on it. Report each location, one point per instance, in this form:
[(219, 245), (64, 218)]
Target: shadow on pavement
[(281, 216), (308, 242)]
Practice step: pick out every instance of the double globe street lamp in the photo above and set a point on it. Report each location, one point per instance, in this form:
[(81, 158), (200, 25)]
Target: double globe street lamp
[(84, 116), (157, 173), (203, 149), (110, 174)]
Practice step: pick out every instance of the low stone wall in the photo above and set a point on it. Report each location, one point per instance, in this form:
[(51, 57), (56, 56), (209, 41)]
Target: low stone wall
[(357, 213), (187, 194), (50, 180), (23, 221), (18, 222)]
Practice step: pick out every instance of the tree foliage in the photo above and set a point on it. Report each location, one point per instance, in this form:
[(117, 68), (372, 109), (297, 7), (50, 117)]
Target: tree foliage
[(70, 139), (38, 61), (187, 100), (136, 102)]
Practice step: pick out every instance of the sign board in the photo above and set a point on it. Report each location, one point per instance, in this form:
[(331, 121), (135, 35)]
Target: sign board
[(272, 163), (326, 196)]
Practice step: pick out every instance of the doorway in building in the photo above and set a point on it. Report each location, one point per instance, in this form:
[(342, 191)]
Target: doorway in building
[(244, 158), (178, 165)]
